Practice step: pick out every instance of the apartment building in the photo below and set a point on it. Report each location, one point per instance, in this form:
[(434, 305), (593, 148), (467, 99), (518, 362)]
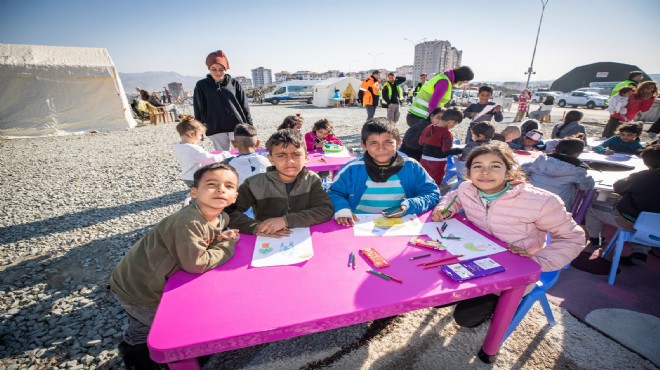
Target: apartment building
[(435, 56), (262, 77)]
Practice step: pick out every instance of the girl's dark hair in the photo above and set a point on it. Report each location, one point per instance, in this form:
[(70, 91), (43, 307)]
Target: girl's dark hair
[(573, 116), (503, 151), (284, 138), (463, 73), (197, 177), (569, 146), (290, 122), (144, 95), (633, 127), (322, 124), (626, 90), (529, 125), (379, 125)]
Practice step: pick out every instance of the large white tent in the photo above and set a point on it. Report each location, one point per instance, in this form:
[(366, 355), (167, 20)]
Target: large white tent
[(324, 91), (53, 90)]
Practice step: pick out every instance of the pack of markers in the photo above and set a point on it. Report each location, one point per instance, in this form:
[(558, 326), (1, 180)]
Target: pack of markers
[(470, 269)]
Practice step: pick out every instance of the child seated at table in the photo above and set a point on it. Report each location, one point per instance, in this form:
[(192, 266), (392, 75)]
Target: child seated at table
[(638, 193), (320, 135), (570, 126), (561, 172), (292, 122), (288, 195), (497, 200), (193, 239), (532, 140), (382, 178), (481, 133), (511, 133), (410, 145), (625, 141), (248, 162), (190, 155), (437, 141)]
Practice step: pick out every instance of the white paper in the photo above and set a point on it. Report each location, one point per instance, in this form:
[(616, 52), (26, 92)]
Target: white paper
[(376, 224), (289, 250), (486, 109), (471, 245), (341, 154)]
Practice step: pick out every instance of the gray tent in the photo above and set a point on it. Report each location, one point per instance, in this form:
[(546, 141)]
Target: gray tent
[(596, 72)]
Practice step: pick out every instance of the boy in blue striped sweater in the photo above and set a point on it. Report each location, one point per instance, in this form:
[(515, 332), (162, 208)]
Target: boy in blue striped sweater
[(382, 178)]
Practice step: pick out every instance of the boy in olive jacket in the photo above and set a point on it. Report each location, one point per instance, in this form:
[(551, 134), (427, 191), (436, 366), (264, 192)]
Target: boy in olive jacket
[(193, 239), (288, 195)]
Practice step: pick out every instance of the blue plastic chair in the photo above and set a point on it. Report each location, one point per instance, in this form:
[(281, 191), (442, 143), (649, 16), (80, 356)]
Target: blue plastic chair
[(546, 281), (646, 233), (450, 169)]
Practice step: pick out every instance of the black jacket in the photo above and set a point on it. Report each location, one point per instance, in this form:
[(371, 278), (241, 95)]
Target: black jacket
[(638, 194), (221, 106)]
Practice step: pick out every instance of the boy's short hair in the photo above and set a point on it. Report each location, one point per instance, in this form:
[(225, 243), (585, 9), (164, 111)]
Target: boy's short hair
[(498, 137), (569, 146), (625, 90), (529, 125), (452, 115), (633, 127), (391, 74), (197, 177), (511, 129), (572, 116), (245, 135), (634, 74), (322, 124), (189, 123), (379, 125), (651, 156), (486, 88), (483, 128), (284, 138)]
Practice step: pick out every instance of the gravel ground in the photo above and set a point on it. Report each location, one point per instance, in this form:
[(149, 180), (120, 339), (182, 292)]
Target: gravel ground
[(71, 208)]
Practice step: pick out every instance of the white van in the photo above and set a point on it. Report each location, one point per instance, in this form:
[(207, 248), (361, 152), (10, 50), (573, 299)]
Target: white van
[(292, 91)]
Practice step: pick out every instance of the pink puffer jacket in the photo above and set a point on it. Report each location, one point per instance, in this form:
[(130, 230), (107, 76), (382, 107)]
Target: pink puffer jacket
[(521, 217)]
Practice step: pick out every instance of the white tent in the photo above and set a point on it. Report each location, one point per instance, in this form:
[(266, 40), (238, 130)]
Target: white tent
[(52, 90), (324, 91)]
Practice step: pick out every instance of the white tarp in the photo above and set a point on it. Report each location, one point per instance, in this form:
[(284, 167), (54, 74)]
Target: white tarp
[(324, 91), (53, 90)]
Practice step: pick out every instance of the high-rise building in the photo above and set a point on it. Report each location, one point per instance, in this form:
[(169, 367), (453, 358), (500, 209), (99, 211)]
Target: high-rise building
[(245, 82), (262, 77), (435, 56)]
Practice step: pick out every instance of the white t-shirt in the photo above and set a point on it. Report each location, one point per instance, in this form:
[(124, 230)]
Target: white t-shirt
[(248, 165), (192, 157)]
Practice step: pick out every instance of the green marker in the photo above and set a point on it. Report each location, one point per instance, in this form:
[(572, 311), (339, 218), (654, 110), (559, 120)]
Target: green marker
[(451, 237), (449, 205), (379, 274)]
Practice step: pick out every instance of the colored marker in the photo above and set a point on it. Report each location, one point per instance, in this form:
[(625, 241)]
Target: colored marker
[(444, 226), (353, 260), (350, 259), (439, 232), (451, 237), (440, 260), (440, 264), (449, 205), (392, 278), (379, 275), (420, 256)]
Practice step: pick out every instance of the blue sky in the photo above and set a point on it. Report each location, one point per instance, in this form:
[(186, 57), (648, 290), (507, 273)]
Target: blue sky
[(497, 37)]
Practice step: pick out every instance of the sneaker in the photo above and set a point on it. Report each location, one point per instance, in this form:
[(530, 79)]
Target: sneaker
[(635, 259)]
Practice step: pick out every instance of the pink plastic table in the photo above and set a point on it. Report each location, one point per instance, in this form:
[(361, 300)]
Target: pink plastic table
[(236, 306), (317, 161)]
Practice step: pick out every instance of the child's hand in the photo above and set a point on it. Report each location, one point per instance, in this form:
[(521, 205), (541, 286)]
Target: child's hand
[(230, 234), (519, 251), (395, 214), (347, 221), (271, 225), (609, 152), (497, 109), (277, 234), (438, 215)]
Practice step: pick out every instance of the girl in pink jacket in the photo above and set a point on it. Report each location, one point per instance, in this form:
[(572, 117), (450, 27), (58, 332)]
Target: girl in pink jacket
[(321, 133), (496, 199)]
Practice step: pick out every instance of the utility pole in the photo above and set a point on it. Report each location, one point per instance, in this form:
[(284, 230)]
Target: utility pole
[(530, 70)]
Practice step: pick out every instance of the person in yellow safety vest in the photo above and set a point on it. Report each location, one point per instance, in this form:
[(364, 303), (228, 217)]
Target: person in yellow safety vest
[(370, 93), (392, 96), (437, 93), (422, 81)]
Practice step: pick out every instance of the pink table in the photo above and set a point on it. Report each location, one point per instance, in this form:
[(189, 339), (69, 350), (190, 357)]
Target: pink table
[(317, 161), (236, 306)]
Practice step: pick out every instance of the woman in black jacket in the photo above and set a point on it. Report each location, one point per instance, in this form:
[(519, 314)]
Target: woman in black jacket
[(220, 102)]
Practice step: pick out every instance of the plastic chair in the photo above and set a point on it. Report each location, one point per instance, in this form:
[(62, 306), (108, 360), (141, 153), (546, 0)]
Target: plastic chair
[(450, 169), (546, 281), (646, 233)]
